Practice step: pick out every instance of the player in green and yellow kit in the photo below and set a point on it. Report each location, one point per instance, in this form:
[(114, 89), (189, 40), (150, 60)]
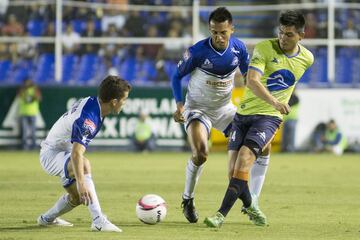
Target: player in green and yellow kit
[(275, 68)]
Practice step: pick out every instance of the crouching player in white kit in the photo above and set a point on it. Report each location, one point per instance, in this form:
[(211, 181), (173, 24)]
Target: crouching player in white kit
[(62, 153)]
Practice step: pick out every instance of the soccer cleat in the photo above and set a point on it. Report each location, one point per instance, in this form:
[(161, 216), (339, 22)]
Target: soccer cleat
[(215, 221), (104, 225), (243, 211), (57, 222), (189, 210), (255, 214)]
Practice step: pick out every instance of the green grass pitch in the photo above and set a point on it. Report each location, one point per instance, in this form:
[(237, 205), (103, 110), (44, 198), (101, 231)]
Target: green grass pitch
[(305, 196)]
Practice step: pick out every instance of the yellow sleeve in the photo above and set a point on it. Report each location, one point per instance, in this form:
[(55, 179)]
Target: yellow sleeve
[(259, 58)]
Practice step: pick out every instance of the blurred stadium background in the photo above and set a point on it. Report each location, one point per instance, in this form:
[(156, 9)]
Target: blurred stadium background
[(67, 47)]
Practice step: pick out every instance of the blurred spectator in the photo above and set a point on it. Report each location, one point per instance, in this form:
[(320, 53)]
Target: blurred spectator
[(29, 98), (68, 14), (48, 47), (289, 125), (153, 51), (175, 20), (110, 68), (13, 52), (350, 31), (111, 31), (50, 13), (26, 49), (90, 31), (334, 141), (13, 27), (317, 137), (311, 25), (174, 48), (115, 17), (144, 139), (35, 12), (161, 75), (19, 11), (70, 40), (4, 51), (134, 25), (142, 73)]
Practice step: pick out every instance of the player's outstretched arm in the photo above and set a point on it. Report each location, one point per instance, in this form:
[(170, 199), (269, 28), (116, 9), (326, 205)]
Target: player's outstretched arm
[(254, 84), (77, 161)]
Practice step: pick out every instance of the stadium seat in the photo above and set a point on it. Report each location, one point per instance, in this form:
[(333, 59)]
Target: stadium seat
[(45, 68), (78, 25), (87, 68), (127, 68), (348, 64), (69, 62), (319, 71), (5, 66), (35, 27), (21, 71), (145, 71), (170, 68)]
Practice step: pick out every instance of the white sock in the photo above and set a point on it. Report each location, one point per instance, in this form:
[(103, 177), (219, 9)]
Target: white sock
[(61, 207), (94, 207), (193, 173), (257, 176)]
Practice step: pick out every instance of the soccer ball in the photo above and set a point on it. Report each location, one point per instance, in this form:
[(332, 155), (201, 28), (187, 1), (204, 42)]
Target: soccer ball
[(151, 209)]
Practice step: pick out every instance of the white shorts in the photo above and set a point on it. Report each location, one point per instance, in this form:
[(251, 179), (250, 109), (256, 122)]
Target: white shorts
[(220, 118), (55, 164)]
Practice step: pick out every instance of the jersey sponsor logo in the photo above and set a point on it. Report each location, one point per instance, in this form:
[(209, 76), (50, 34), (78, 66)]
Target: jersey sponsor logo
[(207, 64), (234, 51), (235, 61), (89, 125), (280, 80), (219, 83), (262, 135)]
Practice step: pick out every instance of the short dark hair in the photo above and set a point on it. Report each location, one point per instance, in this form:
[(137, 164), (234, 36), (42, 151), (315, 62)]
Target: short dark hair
[(220, 14), (113, 87), (293, 18)]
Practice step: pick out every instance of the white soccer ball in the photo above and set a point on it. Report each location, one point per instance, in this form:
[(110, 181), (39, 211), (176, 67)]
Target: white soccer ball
[(151, 209)]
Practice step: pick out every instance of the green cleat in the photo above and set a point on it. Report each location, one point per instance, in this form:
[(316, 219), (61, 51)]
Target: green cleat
[(255, 214), (215, 221)]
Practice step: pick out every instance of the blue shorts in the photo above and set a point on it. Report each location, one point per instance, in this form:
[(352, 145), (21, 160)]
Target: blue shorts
[(254, 131)]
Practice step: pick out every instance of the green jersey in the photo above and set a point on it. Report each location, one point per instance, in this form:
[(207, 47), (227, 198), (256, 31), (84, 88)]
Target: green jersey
[(279, 72)]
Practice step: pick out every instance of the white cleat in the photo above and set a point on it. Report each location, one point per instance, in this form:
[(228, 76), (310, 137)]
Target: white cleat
[(57, 222), (104, 226)]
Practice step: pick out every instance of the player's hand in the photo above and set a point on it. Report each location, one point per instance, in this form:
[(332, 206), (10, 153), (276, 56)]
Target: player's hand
[(178, 116), (85, 195), (283, 108)]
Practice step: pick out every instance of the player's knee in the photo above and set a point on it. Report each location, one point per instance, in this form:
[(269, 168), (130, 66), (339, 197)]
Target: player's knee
[(200, 156), (247, 157)]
